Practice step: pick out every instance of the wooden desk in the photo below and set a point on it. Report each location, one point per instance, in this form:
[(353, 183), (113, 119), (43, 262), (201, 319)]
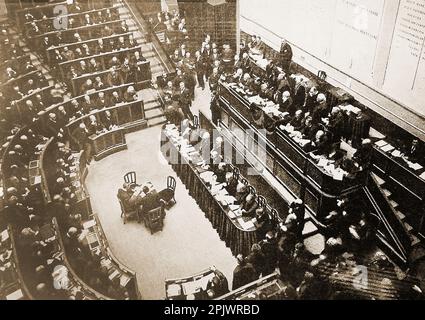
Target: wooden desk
[(102, 59), (143, 77), (85, 32), (267, 288), (108, 143), (129, 117), (12, 285), (412, 196), (193, 286), (237, 237), (64, 15), (90, 43), (100, 247), (283, 158)]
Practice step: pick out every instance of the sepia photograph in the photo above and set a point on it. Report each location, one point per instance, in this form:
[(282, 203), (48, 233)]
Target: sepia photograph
[(212, 154)]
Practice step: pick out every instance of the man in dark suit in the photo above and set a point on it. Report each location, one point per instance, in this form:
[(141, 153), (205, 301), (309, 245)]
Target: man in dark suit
[(114, 78), (285, 55), (336, 124), (128, 199), (200, 70), (243, 274), (185, 100), (249, 206), (414, 152)]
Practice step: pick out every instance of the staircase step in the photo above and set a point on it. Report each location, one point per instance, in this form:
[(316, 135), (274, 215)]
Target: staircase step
[(157, 121), (379, 179), (153, 113), (400, 215), (152, 105), (408, 227), (387, 192), (394, 204), (415, 240)]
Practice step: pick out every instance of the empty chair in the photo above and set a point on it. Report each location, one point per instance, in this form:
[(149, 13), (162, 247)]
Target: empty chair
[(154, 219), (252, 190), (236, 173), (130, 178), (126, 214), (262, 202), (274, 215), (322, 75), (171, 185), (196, 121), (245, 182)]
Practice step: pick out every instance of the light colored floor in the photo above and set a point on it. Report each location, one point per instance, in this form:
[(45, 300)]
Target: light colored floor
[(188, 243)]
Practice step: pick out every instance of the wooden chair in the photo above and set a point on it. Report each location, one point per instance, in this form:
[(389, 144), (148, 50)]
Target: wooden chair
[(196, 121), (252, 190), (322, 75), (245, 182), (262, 202), (274, 216), (154, 219), (236, 173), (130, 178), (125, 215)]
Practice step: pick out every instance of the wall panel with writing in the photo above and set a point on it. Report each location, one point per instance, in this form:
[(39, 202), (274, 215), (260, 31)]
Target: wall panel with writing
[(405, 76)]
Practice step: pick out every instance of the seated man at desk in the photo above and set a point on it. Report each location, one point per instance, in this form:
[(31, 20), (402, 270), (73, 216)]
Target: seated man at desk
[(217, 286), (231, 184), (130, 200), (241, 193), (363, 155), (414, 152), (221, 172), (249, 206)]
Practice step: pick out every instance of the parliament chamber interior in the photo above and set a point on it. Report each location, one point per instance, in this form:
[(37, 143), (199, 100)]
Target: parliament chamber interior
[(212, 150)]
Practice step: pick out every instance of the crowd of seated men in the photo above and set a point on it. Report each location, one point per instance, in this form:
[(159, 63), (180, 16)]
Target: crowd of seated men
[(25, 209), (77, 19), (298, 108), (27, 213), (86, 263), (22, 97), (122, 69), (348, 229)]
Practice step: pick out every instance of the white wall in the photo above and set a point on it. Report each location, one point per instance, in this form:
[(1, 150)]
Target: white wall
[(357, 42)]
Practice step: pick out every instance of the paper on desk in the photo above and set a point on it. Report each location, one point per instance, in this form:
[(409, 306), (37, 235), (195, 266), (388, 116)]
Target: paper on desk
[(89, 224), (246, 225), (387, 148), (231, 214), (396, 153), (422, 176), (234, 207), (322, 162), (114, 274), (381, 143), (338, 175), (37, 179), (4, 235), (174, 290), (415, 166), (124, 280), (16, 295)]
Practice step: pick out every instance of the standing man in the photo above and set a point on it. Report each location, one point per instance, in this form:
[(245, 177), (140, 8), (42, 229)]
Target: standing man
[(185, 101), (297, 209), (200, 70), (285, 55)]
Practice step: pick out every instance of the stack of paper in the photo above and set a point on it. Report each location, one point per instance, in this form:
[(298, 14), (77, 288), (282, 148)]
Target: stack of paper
[(380, 143), (387, 148), (174, 290)]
